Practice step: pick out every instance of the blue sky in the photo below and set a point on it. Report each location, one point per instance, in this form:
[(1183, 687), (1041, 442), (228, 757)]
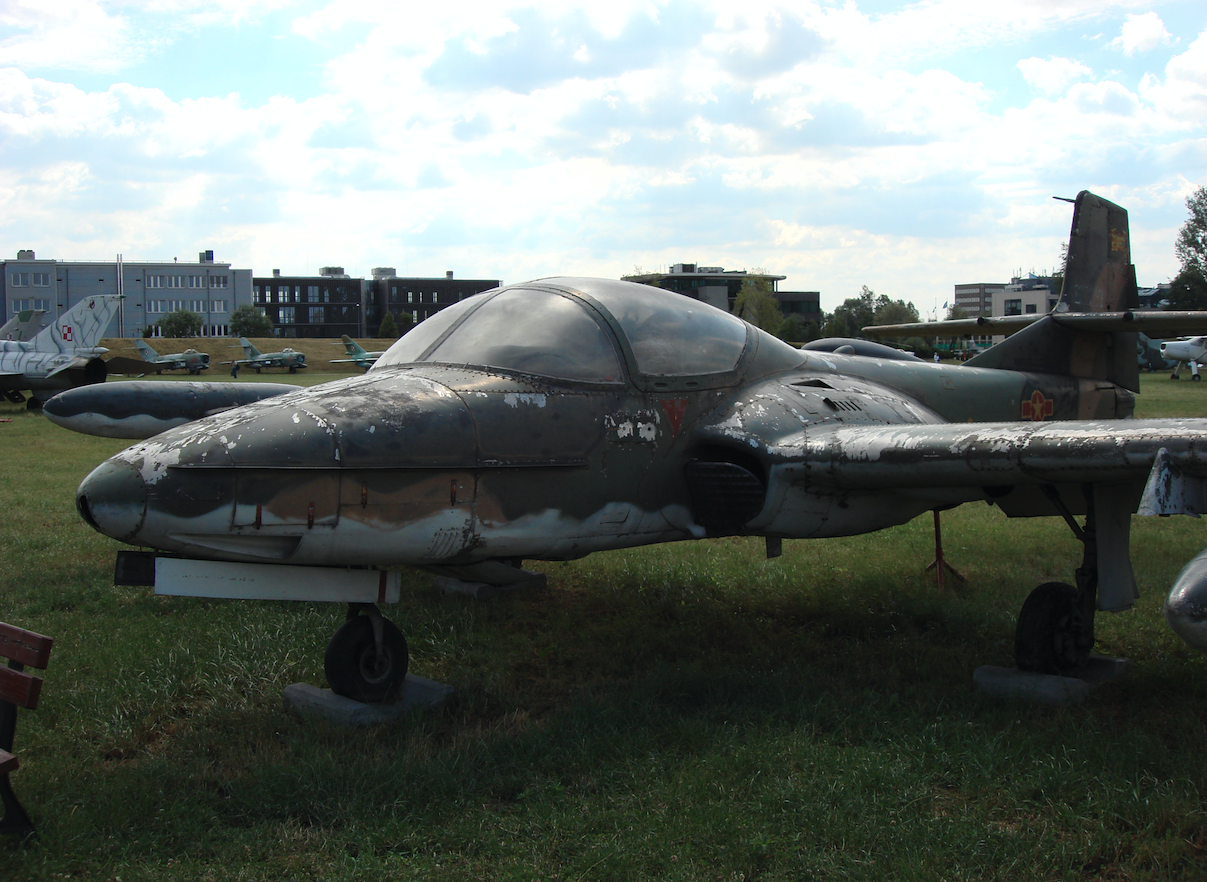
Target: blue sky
[(907, 147)]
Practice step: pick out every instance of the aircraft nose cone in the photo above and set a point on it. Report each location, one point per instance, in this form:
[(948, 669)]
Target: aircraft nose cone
[(113, 499), (1186, 605)]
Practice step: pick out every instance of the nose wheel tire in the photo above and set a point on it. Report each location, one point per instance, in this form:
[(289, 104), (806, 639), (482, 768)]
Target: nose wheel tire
[(356, 669)]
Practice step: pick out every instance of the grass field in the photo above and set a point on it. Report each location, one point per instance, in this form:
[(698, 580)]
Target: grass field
[(690, 711)]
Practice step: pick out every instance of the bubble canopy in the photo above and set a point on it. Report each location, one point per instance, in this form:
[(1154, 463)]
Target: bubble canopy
[(550, 328)]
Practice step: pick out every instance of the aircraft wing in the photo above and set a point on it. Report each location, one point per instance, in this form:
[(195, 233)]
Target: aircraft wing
[(1001, 455), (1154, 323), (121, 364)]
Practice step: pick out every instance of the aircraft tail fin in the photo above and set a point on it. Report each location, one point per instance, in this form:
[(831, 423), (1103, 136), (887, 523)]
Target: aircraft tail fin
[(248, 350), (146, 351), (25, 325), (354, 349), (81, 327), (1099, 278)]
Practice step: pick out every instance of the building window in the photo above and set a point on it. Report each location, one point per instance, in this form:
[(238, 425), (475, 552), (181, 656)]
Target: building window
[(1031, 308), (175, 305), (218, 305), (155, 307), (196, 306), (217, 281), (20, 280), (286, 315), (41, 280), (313, 293), (1013, 307), (196, 281), (175, 281)]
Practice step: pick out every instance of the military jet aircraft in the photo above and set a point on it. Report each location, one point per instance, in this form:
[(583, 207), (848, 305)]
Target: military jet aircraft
[(257, 360), (62, 356), (356, 354), (1192, 351), (25, 325), (554, 418), (190, 360)]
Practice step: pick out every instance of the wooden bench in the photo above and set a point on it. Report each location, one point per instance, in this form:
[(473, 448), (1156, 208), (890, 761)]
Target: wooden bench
[(17, 689)]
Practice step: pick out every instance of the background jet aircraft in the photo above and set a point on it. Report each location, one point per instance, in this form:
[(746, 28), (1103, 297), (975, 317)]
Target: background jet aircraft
[(628, 416), (1191, 350), (356, 354), (25, 325), (257, 361), (190, 360), (63, 355)]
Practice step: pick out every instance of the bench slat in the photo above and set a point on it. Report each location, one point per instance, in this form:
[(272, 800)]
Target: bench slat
[(24, 646), (8, 762), (20, 688)]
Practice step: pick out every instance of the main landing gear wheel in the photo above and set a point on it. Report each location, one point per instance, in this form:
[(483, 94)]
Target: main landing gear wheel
[(1051, 637), (357, 668)]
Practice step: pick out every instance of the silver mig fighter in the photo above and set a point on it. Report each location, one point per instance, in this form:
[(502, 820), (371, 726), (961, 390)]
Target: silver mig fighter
[(62, 356), (559, 417)]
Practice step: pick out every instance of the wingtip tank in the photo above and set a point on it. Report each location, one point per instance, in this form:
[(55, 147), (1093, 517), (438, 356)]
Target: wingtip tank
[(1186, 604)]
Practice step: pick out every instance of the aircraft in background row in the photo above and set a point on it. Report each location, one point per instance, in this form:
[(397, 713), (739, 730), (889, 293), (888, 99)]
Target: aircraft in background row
[(628, 415), (190, 360), (257, 360), (356, 354), (62, 356), (1191, 350), (25, 325)]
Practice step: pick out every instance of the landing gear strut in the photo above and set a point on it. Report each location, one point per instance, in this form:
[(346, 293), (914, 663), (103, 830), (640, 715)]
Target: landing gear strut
[(1055, 629), (367, 658)]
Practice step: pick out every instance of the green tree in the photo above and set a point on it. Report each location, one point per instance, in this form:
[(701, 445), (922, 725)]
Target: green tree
[(388, 329), (792, 330), (893, 312), (247, 321), (869, 308), (757, 305), (1188, 290), (181, 323), (1191, 246)]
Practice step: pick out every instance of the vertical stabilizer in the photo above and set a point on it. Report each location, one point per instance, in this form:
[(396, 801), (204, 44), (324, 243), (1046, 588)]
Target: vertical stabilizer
[(146, 351), (1099, 278), (81, 327), (249, 351)]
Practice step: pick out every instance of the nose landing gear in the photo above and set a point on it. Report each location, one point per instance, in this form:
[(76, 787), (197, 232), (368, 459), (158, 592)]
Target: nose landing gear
[(367, 658)]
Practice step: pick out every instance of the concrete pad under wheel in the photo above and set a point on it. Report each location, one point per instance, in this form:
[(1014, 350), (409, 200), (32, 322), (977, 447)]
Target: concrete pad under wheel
[(1050, 689), (311, 702)]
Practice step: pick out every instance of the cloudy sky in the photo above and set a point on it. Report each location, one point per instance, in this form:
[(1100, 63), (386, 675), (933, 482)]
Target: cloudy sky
[(903, 146)]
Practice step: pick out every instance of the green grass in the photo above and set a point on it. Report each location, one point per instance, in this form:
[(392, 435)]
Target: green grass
[(690, 711)]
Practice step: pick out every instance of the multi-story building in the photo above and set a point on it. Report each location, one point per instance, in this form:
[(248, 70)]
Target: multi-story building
[(333, 303), (327, 305), (152, 289), (720, 287), (417, 297)]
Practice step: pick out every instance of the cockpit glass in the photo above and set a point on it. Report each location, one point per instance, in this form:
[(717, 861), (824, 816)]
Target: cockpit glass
[(534, 332), (416, 341), (671, 335)]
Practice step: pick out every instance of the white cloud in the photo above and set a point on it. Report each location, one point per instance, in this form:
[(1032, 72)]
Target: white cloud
[(1053, 75), (1142, 33), (1182, 97)]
